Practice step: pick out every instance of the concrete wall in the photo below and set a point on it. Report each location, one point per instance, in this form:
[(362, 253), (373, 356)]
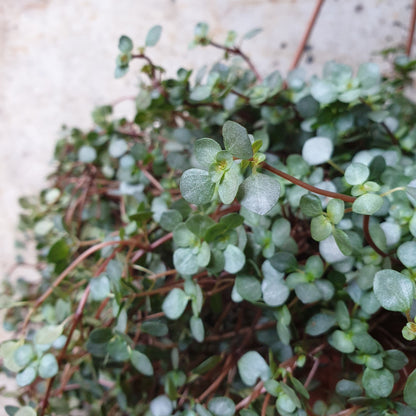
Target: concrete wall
[(57, 63)]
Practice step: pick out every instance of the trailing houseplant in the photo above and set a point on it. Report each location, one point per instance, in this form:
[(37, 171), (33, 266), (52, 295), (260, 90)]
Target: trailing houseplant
[(244, 245)]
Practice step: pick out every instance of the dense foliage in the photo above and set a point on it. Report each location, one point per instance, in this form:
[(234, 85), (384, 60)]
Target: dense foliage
[(245, 245)]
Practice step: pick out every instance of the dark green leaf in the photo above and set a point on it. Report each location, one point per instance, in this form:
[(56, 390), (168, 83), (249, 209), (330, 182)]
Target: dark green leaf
[(248, 287), (409, 393), (378, 383)]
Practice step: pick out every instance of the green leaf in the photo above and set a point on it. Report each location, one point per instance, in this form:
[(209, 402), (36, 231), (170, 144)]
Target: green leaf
[(335, 210), (321, 227), (393, 290), (153, 36), (87, 154), (141, 363), (117, 148), (308, 292), (99, 288), (324, 92), (251, 33), (197, 328), (205, 152), (58, 251), (196, 186), (252, 366), (48, 366), (234, 259), (155, 328), (170, 219), (259, 193), (221, 406), (341, 341), (236, 140), (406, 253), (229, 184), (365, 342), (199, 224), (98, 341), (175, 303), (342, 240), (207, 365), (48, 334), (125, 44), (317, 150), (395, 360), (342, 315), (184, 237), (200, 92), (409, 393), (378, 383), (275, 291), (348, 388), (367, 204), (356, 173), (319, 324), (24, 355), (25, 411), (26, 377), (161, 406), (248, 287), (369, 75), (310, 205)]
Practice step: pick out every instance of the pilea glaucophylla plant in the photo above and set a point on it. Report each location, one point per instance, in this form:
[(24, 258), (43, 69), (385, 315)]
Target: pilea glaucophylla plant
[(244, 245)]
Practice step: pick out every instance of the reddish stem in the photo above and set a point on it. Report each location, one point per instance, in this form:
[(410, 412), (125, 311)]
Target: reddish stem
[(315, 190), (367, 235), (305, 38), (411, 30)]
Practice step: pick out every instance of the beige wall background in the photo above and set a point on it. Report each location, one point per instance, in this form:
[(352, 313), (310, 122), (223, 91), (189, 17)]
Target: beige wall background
[(57, 63)]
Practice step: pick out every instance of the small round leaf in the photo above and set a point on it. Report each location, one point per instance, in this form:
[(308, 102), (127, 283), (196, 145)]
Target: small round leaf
[(407, 253), (367, 204), (317, 150), (221, 406), (378, 383), (48, 366), (196, 186), (175, 303), (252, 366), (357, 173), (393, 290), (161, 406), (409, 393)]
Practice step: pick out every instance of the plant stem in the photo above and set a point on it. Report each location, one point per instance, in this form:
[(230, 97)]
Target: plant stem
[(305, 38), (411, 30), (311, 188), (65, 273), (238, 51), (367, 235)]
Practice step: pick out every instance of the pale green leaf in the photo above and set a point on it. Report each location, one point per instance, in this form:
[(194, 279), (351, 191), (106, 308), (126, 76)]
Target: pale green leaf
[(248, 287), (153, 35), (161, 406), (236, 140), (407, 254), (197, 328), (196, 186), (357, 173), (310, 205), (341, 341), (393, 290), (175, 303), (26, 376), (319, 324), (409, 393), (317, 150), (234, 259), (252, 366), (324, 92), (221, 406), (259, 193), (125, 44), (206, 151), (48, 366), (378, 383), (367, 204), (141, 363), (321, 227)]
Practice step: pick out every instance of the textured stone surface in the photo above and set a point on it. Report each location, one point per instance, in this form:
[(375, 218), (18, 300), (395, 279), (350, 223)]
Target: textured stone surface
[(57, 63)]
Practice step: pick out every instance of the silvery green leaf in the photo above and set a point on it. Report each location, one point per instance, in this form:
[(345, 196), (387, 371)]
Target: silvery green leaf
[(259, 193), (317, 150)]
